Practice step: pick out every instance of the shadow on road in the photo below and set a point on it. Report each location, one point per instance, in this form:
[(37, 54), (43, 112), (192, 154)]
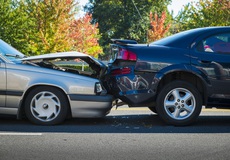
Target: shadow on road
[(145, 123)]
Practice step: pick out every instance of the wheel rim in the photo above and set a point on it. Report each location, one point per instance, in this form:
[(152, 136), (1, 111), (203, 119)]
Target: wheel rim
[(45, 106), (179, 103)]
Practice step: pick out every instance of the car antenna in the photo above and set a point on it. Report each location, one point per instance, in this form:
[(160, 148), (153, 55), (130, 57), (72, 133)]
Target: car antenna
[(137, 9), (141, 18)]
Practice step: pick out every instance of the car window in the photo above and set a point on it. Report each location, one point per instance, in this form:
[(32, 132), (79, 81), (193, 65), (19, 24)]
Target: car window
[(219, 43)]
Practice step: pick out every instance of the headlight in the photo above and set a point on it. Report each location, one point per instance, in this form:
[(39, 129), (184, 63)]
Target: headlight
[(98, 88)]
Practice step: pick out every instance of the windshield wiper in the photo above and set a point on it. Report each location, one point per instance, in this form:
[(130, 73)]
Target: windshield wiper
[(14, 55)]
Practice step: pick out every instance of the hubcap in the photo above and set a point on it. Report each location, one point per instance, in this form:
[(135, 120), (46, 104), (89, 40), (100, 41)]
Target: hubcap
[(179, 103), (45, 106)]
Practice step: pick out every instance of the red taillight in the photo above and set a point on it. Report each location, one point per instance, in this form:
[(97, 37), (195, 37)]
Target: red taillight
[(126, 55), (124, 70)]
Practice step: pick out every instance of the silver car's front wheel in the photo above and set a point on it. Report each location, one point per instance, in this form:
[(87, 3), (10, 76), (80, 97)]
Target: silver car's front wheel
[(46, 106), (179, 103)]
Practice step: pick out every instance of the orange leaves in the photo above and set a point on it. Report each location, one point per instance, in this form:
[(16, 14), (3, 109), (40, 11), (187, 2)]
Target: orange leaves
[(225, 4), (157, 26), (52, 19), (85, 36)]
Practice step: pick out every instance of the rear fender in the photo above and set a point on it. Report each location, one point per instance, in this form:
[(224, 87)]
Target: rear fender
[(186, 73), (182, 68)]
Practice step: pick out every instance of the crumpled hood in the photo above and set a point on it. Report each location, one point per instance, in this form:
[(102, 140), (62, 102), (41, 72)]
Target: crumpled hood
[(56, 55)]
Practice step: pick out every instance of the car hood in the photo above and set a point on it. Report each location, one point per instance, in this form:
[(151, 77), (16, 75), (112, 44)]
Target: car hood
[(69, 55), (58, 55), (72, 54)]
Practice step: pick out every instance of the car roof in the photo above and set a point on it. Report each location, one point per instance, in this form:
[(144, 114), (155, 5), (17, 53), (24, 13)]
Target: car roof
[(185, 38)]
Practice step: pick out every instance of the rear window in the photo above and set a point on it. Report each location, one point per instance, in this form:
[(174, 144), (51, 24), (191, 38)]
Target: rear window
[(170, 39)]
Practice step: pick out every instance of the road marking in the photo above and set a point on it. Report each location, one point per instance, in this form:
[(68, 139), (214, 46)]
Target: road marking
[(128, 109), (19, 134)]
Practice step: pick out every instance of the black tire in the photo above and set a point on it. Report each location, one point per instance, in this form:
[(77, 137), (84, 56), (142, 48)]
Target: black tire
[(46, 106), (179, 103), (153, 109)]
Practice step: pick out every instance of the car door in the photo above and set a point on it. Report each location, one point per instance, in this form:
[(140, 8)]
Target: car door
[(212, 57), (2, 83)]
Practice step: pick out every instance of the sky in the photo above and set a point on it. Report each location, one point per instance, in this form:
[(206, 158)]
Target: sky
[(176, 5)]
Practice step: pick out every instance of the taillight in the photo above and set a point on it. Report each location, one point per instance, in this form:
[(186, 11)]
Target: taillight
[(125, 70), (125, 54)]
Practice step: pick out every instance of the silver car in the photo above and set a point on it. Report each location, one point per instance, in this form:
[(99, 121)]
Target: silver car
[(49, 88)]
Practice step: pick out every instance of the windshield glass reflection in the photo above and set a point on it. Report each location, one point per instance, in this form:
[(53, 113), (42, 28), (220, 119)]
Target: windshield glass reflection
[(9, 52)]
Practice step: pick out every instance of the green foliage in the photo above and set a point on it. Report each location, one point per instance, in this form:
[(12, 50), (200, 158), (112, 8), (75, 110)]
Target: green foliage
[(204, 13), (5, 15), (37, 26), (43, 26), (13, 23), (120, 19), (49, 23)]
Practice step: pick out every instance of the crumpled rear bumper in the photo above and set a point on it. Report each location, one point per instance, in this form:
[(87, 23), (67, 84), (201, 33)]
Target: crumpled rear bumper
[(135, 90)]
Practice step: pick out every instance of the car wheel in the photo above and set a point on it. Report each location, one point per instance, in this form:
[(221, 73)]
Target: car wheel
[(153, 109), (179, 103), (46, 106)]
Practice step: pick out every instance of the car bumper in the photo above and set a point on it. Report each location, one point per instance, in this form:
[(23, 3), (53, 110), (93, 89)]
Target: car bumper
[(90, 106), (135, 90)]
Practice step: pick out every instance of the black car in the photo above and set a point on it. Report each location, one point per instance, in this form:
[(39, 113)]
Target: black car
[(174, 76)]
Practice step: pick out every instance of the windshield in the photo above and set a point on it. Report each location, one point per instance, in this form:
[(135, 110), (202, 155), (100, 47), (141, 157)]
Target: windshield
[(9, 52)]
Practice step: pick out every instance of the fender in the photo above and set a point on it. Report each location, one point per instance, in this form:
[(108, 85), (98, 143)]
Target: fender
[(182, 68)]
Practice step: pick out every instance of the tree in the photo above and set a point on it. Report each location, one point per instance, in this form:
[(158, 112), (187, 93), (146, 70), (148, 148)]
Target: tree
[(12, 23), (37, 26), (50, 28), (157, 27), (205, 13), (124, 19), (85, 36), (5, 15)]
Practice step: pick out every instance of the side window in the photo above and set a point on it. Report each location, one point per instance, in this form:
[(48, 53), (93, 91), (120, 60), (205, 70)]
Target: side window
[(219, 43)]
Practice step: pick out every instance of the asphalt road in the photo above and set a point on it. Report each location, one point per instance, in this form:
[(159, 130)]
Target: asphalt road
[(134, 134)]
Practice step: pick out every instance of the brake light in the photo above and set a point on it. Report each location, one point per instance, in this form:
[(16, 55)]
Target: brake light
[(124, 70), (125, 54)]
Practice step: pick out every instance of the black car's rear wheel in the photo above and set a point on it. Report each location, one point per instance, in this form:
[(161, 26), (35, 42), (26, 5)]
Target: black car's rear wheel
[(179, 103), (46, 106)]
